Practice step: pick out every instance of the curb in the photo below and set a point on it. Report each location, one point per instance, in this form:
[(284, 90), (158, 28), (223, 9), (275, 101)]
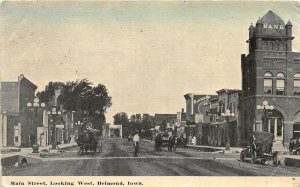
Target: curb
[(292, 162)]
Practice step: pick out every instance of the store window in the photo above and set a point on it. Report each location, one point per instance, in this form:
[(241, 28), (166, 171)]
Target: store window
[(268, 83), (297, 84)]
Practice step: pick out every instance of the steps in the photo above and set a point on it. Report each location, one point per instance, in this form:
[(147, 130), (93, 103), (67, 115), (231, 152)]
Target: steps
[(278, 146)]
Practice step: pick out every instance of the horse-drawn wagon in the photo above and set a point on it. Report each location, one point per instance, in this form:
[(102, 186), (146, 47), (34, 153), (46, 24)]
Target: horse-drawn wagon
[(89, 142)]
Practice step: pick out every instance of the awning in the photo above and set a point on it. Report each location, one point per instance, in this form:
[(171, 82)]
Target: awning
[(115, 126), (222, 123)]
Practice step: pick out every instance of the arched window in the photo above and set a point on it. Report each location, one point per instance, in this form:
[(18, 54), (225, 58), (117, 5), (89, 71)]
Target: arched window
[(280, 84), (297, 84), (268, 83)]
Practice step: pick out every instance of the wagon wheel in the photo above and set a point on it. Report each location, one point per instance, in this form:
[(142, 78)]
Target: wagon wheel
[(275, 161), (242, 156), (253, 157)]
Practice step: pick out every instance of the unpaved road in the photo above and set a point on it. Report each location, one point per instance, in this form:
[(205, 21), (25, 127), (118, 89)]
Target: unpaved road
[(117, 160)]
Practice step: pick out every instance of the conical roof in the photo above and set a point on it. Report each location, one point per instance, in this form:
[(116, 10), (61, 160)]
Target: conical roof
[(272, 18)]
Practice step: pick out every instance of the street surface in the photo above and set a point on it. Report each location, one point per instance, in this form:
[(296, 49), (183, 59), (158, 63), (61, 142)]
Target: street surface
[(117, 160)]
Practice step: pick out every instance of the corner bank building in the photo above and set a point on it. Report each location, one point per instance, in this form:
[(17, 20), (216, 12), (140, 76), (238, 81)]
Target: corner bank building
[(271, 81)]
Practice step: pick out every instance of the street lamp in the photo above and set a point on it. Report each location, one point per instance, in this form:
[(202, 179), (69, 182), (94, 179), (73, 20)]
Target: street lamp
[(54, 113), (78, 124), (35, 106), (265, 107), (227, 114)]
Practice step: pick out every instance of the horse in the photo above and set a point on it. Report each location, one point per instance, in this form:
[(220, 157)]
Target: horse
[(87, 142), (171, 143), (158, 142)]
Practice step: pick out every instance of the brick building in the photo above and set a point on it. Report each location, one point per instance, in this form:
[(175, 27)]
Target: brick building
[(195, 110), (271, 77), (197, 118), (211, 126), (14, 124)]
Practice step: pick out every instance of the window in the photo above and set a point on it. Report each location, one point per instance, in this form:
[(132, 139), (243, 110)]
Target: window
[(268, 83), (297, 84), (280, 84)]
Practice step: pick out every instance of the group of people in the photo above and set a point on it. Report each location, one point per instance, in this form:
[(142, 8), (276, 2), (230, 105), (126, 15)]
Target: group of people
[(170, 140)]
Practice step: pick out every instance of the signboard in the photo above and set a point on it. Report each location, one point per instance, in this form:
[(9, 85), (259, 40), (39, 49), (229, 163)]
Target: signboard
[(209, 113), (59, 126), (269, 26)]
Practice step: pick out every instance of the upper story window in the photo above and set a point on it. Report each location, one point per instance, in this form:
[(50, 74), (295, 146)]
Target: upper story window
[(268, 83), (297, 84), (280, 86)]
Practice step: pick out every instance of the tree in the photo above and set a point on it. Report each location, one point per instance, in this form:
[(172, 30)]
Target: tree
[(132, 118), (120, 118), (48, 94), (138, 117), (146, 119), (80, 96)]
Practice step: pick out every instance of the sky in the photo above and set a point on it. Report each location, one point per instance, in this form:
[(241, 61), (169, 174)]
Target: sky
[(147, 54)]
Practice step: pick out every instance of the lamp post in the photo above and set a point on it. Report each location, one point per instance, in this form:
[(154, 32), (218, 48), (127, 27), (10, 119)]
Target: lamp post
[(266, 108), (78, 124), (53, 113), (227, 114), (35, 106)]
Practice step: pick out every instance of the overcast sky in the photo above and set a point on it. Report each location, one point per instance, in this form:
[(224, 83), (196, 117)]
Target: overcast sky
[(147, 54)]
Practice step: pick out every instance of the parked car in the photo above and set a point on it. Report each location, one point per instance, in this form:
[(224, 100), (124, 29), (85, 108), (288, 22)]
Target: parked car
[(260, 149), (294, 146)]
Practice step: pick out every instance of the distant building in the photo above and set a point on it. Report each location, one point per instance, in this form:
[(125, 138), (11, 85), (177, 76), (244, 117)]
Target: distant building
[(18, 127), (165, 118), (271, 75), (228, 99), (195, 110), (181, 118), (112, 131), (204, 111)]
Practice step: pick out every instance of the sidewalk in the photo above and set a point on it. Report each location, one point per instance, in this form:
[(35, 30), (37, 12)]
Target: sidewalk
[(13, 151)]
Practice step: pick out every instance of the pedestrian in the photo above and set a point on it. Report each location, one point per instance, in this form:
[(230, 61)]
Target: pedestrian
[(194, 141), (136, 140), (190, 139), (171, 143), (199, 139), (175, 143)]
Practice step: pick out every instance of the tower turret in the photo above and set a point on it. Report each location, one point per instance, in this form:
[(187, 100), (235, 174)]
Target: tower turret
[(289, 36), (251, 31), (259, 27)]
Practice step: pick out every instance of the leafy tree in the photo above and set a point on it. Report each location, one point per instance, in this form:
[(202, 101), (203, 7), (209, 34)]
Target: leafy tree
[(121, 118), (80, 96), (48, 94), (138, 117), (132, 118)]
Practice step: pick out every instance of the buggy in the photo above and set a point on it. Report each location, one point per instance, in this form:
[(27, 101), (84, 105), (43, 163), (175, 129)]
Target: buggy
[(165, 140), (89, 142), (260, 149)]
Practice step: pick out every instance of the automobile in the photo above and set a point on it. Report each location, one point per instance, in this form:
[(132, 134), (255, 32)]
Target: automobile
[(294, 146), (260, 149)]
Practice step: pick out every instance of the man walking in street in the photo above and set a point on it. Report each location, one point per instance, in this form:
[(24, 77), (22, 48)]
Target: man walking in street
[(136, 140)]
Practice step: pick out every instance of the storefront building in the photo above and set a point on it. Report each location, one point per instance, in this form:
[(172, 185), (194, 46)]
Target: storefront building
[(271, 81), (18, 123)]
